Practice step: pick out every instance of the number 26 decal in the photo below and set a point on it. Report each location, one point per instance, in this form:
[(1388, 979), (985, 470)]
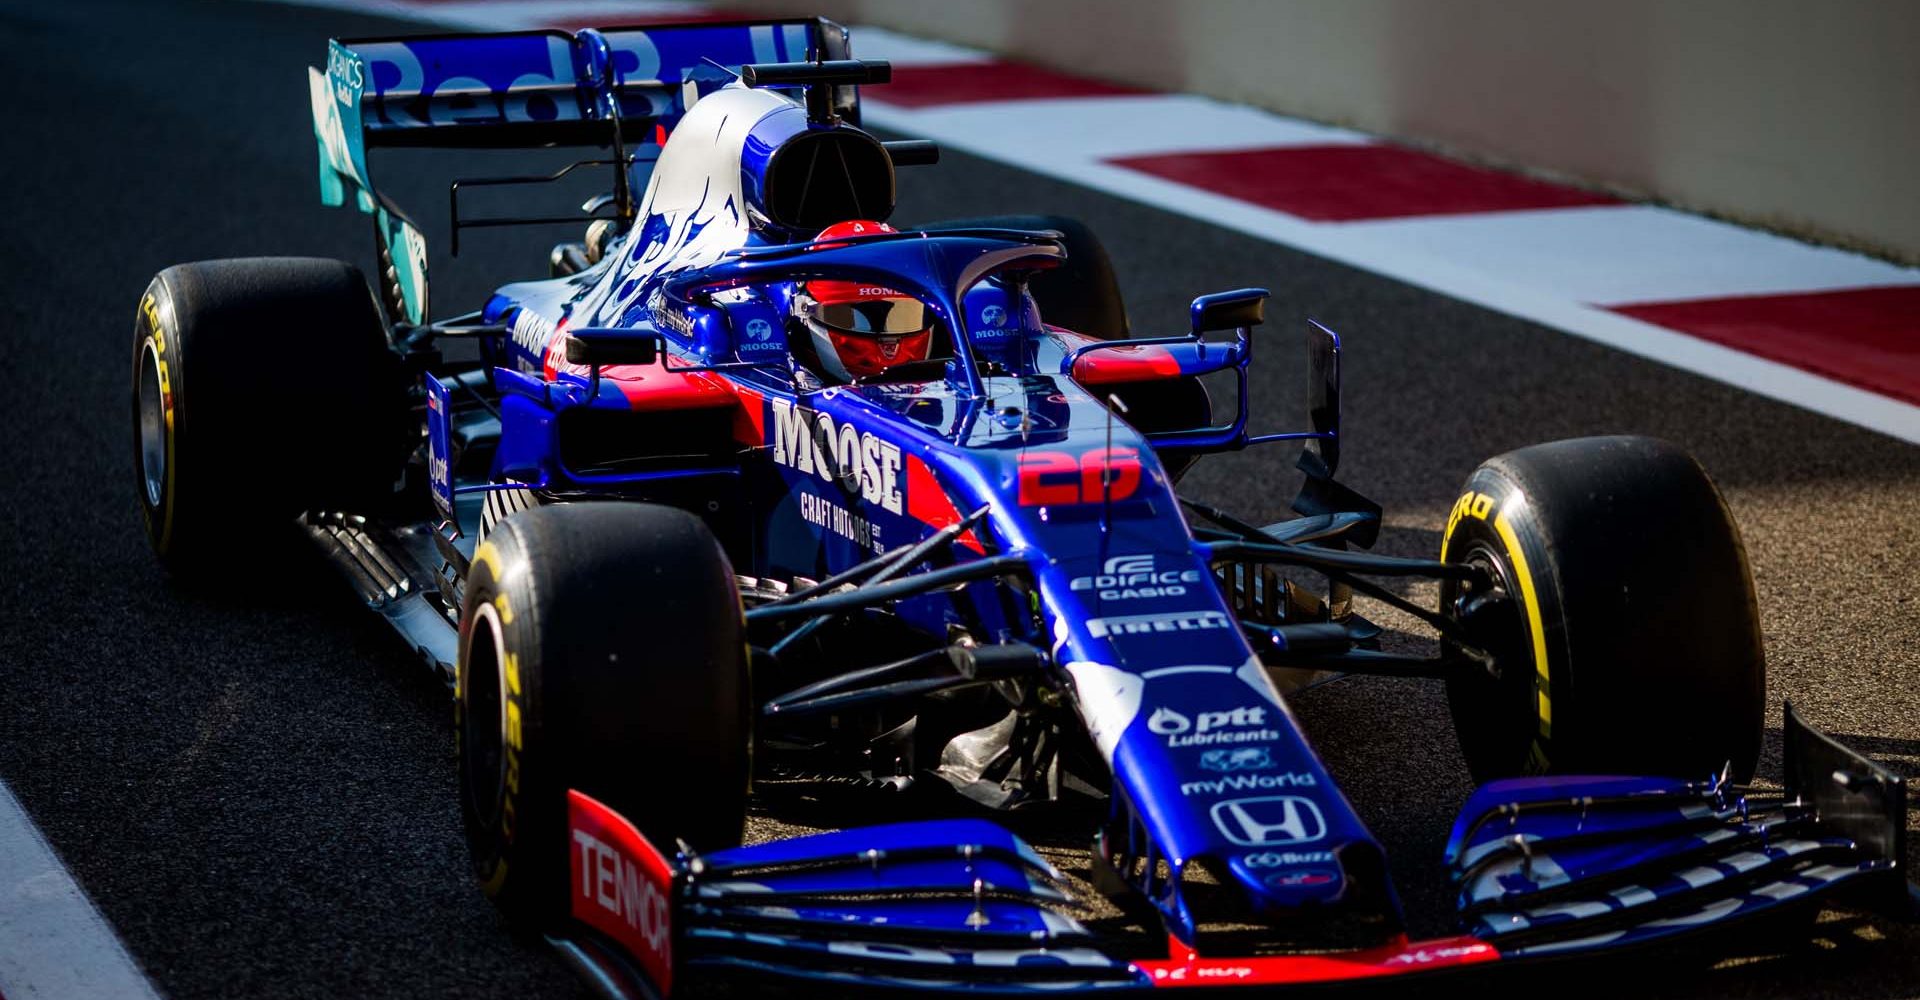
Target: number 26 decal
[(1056, 477)]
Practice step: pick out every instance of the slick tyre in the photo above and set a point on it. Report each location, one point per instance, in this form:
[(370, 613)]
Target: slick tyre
[(601, 649), (1623, 618), (261, 388), (1082, 295)]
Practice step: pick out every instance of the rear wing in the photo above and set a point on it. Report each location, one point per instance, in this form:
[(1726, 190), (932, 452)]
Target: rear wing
[(596, 87)]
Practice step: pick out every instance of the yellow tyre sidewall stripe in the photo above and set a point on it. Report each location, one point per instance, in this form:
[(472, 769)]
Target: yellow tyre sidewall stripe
[(1530, 599), (157, 340), (1481, 507), (495, 615)]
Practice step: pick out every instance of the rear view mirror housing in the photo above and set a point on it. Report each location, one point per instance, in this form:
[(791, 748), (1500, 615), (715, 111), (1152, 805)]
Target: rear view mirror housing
[(596, 348), (1234, 310)]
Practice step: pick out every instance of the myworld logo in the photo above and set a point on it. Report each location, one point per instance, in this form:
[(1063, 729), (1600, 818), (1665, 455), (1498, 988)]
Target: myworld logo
[(1249, 783)]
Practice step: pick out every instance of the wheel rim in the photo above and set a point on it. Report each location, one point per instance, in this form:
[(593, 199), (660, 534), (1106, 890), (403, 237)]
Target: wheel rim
[(152, 403), (484, 687), (1503, 643), (1508, 698)]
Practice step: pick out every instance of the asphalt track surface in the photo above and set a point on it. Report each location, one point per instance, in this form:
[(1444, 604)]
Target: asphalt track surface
[(259, 791)]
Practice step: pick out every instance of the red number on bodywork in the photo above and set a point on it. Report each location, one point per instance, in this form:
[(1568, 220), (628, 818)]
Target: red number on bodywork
[(1044, 476), (1121, 468), (1035, 491)]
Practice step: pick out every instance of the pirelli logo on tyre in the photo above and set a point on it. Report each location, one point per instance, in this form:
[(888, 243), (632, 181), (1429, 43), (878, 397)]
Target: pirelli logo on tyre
[(1471, 504)]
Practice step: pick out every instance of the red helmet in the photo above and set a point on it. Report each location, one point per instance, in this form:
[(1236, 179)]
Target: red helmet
[(860, 330)]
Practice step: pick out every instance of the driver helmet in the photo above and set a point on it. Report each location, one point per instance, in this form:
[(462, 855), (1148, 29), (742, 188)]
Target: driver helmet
[(859, 330)]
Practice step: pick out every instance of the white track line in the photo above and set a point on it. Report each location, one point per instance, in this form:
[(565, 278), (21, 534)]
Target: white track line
[(1621, 254), (906, 50), (54, 945), (1095, 128)]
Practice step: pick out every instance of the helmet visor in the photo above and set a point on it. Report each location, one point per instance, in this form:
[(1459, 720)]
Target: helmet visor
[(890, 316)]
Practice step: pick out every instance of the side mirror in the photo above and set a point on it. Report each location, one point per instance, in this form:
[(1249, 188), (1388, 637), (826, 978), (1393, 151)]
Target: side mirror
[(1323, 395), (912, 152), (1240, 308), (595, 348)]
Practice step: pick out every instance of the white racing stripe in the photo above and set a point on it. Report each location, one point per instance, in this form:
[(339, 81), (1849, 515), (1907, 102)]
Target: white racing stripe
[(54, 945)]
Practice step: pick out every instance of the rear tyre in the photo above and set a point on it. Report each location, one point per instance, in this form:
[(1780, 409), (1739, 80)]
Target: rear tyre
[(261, 388), (1629, 637), (601, 649), (1082, 295)]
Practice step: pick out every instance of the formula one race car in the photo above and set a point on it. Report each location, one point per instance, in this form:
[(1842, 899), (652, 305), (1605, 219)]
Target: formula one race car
[(756, 499)]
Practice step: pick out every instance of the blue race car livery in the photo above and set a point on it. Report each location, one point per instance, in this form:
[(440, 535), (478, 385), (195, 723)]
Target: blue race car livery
[(679, 560)]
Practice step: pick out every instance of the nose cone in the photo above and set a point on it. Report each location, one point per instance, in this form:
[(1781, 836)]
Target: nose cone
[(1290, 895)]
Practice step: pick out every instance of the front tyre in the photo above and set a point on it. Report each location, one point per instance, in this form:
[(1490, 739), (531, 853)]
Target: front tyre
[(1623, 616), (601, 649)]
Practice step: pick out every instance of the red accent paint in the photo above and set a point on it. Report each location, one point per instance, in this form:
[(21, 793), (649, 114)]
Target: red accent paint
[(750, 423), (553, 356), (971, 83), (650, 387), (1351, 182), (1119, 468), (1186, 968), (1036, 491), (928, 502), (1867, 337), (1125, 364), (1054, 478), (622, 886)]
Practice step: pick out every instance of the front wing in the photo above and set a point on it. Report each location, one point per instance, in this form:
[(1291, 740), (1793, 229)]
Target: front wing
[(1545, 867)]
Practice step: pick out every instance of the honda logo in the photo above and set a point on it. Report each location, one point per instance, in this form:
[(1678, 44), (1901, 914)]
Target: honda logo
[(1272, 821)]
